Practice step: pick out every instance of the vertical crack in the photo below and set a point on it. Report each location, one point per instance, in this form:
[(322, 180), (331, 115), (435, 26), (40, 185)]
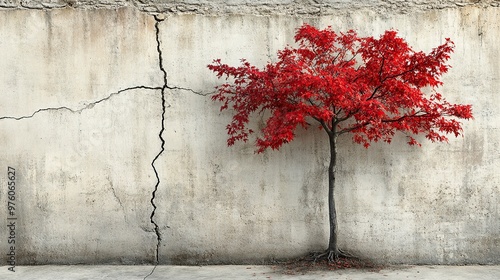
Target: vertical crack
[(158, 19)]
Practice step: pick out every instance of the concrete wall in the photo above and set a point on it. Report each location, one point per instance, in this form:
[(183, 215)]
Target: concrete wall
[(88, 95)]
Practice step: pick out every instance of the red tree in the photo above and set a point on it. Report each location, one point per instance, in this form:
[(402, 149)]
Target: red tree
[(370, 88)]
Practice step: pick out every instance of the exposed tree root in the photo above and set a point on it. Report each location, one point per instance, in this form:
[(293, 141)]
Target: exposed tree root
[(319, 261), (331, 255)]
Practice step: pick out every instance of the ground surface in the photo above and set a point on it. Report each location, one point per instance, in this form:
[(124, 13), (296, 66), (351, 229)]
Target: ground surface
[(247, 272), (309, 264)]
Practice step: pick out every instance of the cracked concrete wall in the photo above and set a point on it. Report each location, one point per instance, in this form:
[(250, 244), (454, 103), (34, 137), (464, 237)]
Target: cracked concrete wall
[(83, 162), (88, 95)]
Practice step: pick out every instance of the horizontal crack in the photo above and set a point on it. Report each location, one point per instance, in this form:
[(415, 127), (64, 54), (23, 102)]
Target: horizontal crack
[(88, 106), (191, 90)]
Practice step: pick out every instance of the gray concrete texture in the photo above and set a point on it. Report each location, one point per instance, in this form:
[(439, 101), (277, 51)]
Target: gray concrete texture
[(81, 122), (49, 272)]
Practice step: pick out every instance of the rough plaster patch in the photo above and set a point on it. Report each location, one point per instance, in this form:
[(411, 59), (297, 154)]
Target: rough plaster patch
[(260, 7)]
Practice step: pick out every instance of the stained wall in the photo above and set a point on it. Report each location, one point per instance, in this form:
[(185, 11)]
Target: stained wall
[(106, 116)]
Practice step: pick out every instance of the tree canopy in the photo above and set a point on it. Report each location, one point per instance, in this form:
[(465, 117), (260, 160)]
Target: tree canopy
[(342, 83)]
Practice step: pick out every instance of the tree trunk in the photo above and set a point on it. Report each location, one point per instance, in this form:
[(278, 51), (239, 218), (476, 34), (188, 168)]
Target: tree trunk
[(333, 252)]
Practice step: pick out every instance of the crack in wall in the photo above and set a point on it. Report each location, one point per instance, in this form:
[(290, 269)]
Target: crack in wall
[(191, 90), (86, 107), (158, 20), (113, 191), (116, 197), (163, 89)]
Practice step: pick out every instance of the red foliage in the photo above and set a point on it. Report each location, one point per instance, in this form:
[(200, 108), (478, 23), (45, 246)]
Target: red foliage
[(368, 87)]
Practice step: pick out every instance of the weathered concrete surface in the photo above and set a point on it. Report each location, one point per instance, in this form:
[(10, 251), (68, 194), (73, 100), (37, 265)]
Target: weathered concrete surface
[(81, 115), (435, 204)]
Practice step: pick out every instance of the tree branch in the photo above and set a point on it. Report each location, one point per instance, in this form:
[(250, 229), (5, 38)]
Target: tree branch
[(324, 125), (406, 116), (384, 121), (352, 128)]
